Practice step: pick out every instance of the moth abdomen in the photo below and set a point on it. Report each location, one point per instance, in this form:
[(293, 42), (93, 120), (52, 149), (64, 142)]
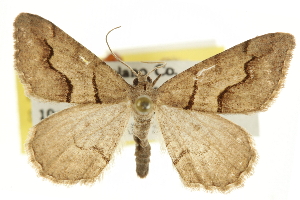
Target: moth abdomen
[(142, 148), (142, 154)]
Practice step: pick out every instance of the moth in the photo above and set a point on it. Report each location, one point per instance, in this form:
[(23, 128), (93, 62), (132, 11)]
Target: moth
[(208, 151)]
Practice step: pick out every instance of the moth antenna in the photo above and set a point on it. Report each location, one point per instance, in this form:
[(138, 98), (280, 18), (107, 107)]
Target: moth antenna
[(116, 55), (161, 66), (153, 83)]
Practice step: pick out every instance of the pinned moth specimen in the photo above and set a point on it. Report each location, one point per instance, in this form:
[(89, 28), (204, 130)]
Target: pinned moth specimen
[(208, 151)]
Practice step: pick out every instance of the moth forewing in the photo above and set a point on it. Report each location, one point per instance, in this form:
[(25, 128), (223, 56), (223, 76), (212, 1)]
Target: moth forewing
[(54, 67), (243, 79)]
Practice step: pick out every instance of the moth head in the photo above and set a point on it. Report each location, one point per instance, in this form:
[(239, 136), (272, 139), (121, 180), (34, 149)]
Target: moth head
[(145, 80), (143, 104), (141, 79)]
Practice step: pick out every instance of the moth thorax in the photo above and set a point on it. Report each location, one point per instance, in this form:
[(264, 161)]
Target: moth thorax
[(143, 104)]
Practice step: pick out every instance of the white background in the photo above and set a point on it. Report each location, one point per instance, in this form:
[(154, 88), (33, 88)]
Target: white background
[(148, 23)]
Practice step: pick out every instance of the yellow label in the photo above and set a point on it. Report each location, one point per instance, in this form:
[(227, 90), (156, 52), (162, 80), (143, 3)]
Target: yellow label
[(175, 54), (24, 113)]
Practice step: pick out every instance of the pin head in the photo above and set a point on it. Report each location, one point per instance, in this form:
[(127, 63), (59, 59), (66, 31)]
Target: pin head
[(143, 104)]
